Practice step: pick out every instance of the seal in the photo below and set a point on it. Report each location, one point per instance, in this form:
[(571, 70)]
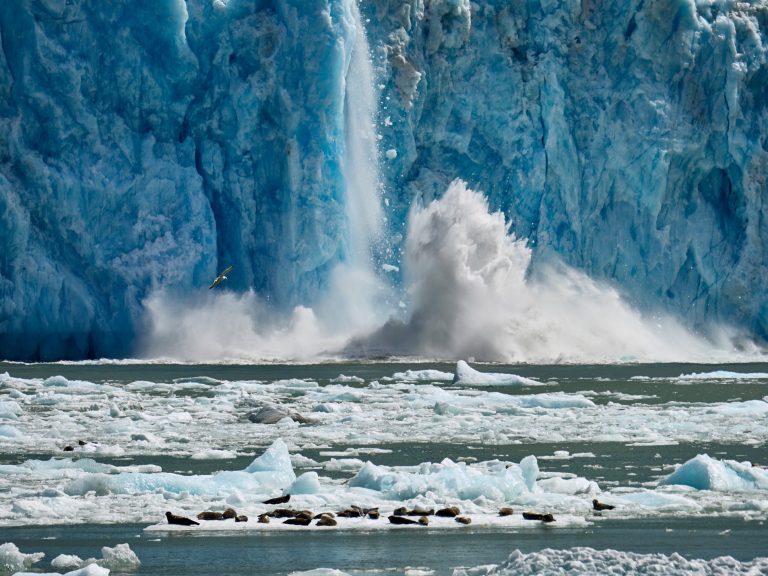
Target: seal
[(463, 519), (278, 500), (241, 518), (421, 512), (326, 520), (597, 505), (180, 520), (298, 521), (283, 513), (210, 516), (351, 512), (229, 513), (395, 519), (373, 513), (537, 516), (263, 519), (450, 512)]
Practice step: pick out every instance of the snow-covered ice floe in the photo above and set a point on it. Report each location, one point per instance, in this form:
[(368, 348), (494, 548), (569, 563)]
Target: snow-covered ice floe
[(591, 561)]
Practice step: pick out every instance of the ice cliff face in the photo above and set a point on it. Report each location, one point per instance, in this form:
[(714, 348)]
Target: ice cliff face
[(148, 144)]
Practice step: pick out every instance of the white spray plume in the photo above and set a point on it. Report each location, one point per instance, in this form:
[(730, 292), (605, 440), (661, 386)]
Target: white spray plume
[(470, 297)]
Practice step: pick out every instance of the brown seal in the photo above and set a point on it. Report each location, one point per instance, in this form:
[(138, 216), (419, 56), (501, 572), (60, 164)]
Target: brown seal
[(298, 521), (326, 520), (180, 520), (537, 516), (208, 515), (506, 511), (463, 519), (241, 518), (394, 519), (450, 512), (278, 500), (229, 513), (596, 505), (351, 512), (421, 512), (263, 519), (283, 513)]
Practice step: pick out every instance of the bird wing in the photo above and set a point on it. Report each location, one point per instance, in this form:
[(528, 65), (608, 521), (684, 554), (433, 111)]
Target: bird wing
[(221, 277)]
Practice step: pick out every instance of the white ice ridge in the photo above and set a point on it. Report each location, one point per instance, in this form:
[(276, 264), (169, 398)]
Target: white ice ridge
[(724, 375), (584, 561)]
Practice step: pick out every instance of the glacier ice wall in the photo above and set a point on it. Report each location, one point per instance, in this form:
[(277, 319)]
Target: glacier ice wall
[(148, 144), (627, 139)]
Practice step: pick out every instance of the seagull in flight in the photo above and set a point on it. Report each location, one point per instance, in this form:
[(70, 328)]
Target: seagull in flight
[(220, 278)]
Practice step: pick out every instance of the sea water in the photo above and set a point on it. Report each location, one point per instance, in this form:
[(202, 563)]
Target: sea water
[(677, 448)]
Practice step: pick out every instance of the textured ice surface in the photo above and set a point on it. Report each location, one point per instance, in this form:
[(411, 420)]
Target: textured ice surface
[(148, 145), (590, 561)]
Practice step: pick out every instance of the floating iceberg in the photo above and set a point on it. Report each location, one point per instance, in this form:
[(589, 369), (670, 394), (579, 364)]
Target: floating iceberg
[(706, 473), (467, 375)]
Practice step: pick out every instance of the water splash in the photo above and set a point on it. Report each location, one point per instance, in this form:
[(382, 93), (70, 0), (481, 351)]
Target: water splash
[(471, 296)]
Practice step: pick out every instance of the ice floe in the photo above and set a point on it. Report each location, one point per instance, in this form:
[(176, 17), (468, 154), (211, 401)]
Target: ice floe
[(466, 375)]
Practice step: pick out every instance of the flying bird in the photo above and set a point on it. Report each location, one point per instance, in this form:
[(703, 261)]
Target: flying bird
[(220, 278)]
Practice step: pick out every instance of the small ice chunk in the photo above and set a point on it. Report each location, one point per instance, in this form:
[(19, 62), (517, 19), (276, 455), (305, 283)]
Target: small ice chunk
[(422, 375), (391, 154), (10, 410), (390, 268), (13, 560), (345, 379), (467, 375), (120, 558), (307, 483), (706, 473), (67, 562), (214, 454)]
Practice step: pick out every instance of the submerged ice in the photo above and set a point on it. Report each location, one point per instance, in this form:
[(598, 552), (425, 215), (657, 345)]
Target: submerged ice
[(148, 146)]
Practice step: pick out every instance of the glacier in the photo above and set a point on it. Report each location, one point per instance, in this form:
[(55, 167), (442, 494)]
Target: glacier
[(144, 146)]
